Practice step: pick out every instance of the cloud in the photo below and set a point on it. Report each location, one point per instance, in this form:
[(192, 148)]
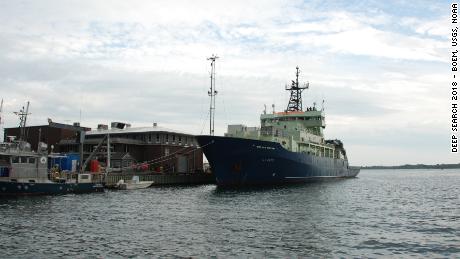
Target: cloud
[(380, 69), (427, 28)]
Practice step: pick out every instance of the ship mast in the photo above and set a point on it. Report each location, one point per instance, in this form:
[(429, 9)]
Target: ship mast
[(22, 121), (1, 113), (295, 101), (1, 110), (212, 93)]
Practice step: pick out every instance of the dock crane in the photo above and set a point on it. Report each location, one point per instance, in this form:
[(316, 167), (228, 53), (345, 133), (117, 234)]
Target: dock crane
[(80, 140)]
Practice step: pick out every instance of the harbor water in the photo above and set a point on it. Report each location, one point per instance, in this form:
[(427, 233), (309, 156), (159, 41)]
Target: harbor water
[(382, 213)]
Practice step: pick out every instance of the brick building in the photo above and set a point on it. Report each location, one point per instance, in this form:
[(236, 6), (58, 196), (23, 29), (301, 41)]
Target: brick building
[(51, 134), (165, 150)]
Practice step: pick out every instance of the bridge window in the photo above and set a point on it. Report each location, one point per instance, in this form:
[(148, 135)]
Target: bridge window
[(117, 164)]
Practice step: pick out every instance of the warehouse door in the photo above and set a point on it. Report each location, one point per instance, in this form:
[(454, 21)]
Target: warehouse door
[(181, 164)]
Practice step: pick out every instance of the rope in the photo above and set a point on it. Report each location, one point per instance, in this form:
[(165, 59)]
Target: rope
[(161, 159)]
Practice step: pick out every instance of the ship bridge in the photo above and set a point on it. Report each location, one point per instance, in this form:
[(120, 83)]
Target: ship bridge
[(296, 129), (304, 119)]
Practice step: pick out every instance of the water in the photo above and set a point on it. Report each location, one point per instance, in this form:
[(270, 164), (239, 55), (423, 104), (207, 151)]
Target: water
[(382, 213)]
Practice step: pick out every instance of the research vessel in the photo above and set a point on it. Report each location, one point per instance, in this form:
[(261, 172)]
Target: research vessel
[(27, 172), (289, 146)]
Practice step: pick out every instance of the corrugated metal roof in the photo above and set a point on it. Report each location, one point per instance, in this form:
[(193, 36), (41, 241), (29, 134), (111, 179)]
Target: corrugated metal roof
[(135, 130)]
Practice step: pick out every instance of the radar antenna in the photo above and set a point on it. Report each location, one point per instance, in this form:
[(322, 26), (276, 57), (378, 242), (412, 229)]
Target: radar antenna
[(22, 121), (212, 92), (295, 101)]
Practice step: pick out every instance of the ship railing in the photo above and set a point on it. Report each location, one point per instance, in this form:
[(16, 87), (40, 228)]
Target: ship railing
[(9, 147), (98, 178), (72, 177), (61, 176), (267, 131)]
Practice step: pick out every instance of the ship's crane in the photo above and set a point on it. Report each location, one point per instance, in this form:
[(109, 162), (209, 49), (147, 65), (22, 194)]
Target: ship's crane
[(80, 139), (81, 133)]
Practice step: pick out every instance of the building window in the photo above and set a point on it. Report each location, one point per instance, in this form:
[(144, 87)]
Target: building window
[(173, 138), (180, 139), (167, 138), (150, 137), (15, 160), (158, 137), (31, 160)]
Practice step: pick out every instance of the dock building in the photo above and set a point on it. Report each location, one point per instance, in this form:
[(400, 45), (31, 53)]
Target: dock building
[(153, 148)]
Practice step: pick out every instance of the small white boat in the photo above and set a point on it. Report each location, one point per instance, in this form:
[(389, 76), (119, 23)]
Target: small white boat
[(133, 184)]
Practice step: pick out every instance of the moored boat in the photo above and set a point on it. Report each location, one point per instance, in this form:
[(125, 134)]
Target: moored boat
[(289, 146), (133, 184), (27, 172), (24, 172)]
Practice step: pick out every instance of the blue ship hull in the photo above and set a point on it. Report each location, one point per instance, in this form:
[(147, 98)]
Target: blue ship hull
[(237, 161), (20, 188)]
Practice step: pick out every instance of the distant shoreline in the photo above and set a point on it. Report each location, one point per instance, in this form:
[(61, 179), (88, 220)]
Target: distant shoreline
[(418, 166)]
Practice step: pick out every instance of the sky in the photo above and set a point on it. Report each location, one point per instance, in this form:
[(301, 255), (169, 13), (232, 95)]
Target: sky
[(381, 67)]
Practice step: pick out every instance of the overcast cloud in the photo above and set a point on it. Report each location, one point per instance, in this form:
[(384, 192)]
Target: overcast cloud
[(381, 67)]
